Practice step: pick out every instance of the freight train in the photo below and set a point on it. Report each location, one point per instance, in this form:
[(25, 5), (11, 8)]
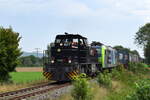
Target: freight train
[(71, 55)]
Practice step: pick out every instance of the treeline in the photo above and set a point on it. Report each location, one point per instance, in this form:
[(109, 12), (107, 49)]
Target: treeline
[(30, 61), (119, 47)]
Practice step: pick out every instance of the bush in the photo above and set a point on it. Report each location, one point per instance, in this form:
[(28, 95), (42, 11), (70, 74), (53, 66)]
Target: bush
[(82, 89), (9, 52), (120, 68), (117, 72), (104, 79), (142, 91), (132, 67), (137, 67)]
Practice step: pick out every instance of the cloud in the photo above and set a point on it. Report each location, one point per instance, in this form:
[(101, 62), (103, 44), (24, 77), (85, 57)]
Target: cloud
[(142, 12), (76, 8), (56, 7)]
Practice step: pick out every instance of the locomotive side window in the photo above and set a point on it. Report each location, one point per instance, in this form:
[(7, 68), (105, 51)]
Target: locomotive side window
[(67, 42), (75, 43), (81, 42), (75, 40), (126, 57), (99, 52), (120, 56), (58, 41), (85, 42)]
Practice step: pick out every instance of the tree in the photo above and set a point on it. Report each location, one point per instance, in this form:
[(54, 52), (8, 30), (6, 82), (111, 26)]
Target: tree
[(142, 38), (9, 52), (135, 52), (147, 53), (119, 47), (95, 43), (30, 61)]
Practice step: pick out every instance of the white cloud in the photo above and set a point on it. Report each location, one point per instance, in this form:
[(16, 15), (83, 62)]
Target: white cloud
[(59, 7), (71, 8), (147, 19), (142, 12), (76, 8)]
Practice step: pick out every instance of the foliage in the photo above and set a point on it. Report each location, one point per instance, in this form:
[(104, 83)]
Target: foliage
[(9, 52), (95, 43), (119, 47), (117, 72), (147, 53), (125, 76), (104, 79), (132, 67), (142, 91), (137, 67), (30, 61), (142, 38), (126, 79), (135, 52), (82, 89)]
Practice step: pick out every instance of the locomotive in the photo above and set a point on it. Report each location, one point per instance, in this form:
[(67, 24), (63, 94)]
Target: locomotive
[(71, 55)]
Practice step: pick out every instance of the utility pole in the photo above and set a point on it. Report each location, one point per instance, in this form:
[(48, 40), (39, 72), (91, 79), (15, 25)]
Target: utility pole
[(37, 51)]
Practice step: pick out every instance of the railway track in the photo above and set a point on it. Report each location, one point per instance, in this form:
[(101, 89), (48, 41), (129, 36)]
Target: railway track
[(32, 91)]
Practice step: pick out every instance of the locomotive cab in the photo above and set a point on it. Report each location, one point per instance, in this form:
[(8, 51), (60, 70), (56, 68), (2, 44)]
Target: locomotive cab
[(69, 49), (67, 52)]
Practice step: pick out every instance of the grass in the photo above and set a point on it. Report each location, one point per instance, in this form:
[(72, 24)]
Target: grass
[(122, 85), (65, 97), (23, 80), (26, 77)]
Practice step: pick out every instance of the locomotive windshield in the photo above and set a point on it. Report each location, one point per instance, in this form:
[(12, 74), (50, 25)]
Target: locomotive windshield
[(67, 41)]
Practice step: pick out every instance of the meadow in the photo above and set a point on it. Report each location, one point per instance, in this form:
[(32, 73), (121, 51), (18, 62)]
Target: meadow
[(22, 78), (26, 77)]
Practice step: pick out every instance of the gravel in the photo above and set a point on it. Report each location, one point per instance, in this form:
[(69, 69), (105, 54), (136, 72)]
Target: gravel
[(52, 95)]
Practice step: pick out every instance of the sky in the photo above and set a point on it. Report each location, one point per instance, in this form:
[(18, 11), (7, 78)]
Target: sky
[(112, 22)]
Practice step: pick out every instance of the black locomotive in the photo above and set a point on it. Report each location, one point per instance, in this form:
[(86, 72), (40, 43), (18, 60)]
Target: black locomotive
[(71, 55)]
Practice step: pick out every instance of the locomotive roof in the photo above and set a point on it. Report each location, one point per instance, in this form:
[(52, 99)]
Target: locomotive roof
[(70, 36)]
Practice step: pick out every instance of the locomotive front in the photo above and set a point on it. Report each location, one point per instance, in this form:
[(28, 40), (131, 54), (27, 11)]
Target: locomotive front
[(62, 60)]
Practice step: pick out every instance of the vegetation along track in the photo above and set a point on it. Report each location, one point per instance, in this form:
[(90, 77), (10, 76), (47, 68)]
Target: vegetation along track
[(32, 91)]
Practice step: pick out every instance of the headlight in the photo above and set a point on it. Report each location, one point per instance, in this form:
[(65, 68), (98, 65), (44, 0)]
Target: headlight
[(61, 44), (58, 50), (52, 61), (69, 61)]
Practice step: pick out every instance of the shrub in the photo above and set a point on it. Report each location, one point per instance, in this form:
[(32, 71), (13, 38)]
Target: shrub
[(142, 91), (117, 72), (104, 79), (132, 67), (137, 67), (120, 68), (9, 52), (82, 89)]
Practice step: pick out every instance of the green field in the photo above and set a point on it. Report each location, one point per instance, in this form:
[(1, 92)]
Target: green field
[(26, 77)]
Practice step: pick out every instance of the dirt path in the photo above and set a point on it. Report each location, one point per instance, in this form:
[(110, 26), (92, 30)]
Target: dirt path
[(29, 69)]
